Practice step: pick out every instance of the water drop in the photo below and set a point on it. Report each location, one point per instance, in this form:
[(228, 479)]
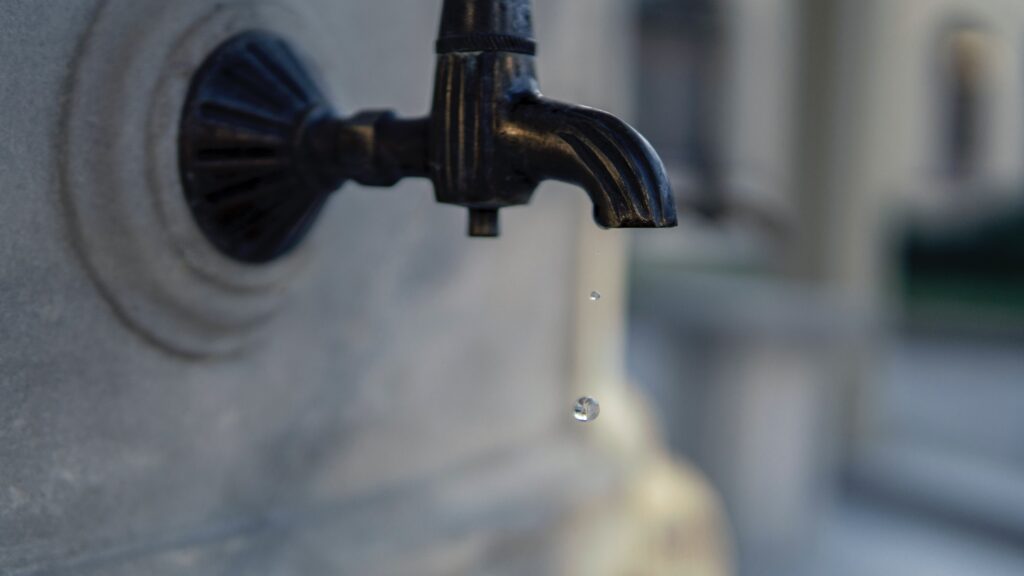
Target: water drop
[(586, 410), (595, 296)]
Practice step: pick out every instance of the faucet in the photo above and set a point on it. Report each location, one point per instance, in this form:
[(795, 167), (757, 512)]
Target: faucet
[(260, 148)]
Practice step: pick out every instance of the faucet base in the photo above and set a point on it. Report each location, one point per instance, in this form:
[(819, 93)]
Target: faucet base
[(243, 148)]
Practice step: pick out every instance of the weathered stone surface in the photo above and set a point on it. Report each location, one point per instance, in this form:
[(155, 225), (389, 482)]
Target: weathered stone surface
[(383, 368)]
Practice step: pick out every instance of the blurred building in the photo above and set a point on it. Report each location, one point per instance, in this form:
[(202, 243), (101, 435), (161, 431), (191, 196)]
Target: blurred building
[(836, 338)]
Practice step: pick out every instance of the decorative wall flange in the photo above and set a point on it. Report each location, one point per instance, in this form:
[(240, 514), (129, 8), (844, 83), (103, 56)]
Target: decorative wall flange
[(121, 187)]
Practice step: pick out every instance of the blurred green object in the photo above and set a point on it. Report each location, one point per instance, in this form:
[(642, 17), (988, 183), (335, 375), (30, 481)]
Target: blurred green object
[(971, 270)]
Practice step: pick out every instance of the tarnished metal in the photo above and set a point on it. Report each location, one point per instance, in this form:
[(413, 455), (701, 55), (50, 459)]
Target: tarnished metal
[(261, 149)]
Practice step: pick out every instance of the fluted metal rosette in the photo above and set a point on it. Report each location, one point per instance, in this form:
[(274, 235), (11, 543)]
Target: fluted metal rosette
[(242, 140)]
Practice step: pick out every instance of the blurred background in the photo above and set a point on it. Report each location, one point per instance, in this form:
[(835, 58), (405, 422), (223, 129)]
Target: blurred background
[(834, 334)]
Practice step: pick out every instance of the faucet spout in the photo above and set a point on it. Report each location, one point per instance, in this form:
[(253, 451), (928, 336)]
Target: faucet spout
[(597, 151), (494, 137)]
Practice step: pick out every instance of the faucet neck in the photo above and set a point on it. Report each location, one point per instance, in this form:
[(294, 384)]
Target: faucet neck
[(486, 26)]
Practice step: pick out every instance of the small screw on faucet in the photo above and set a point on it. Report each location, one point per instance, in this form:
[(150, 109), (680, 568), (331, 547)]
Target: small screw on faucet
[(483, 223)]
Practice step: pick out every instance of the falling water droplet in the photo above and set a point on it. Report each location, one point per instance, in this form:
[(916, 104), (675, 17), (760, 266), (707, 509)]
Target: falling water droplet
[(595, 296), (586, 410)]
